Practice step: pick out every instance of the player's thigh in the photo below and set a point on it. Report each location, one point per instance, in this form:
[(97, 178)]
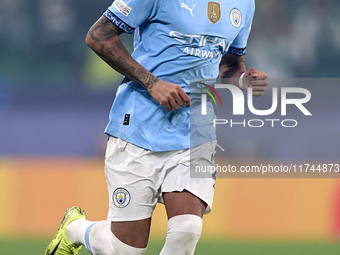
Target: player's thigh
[(133, 192), (178, 203), (133, 233), (187, 193), (132, 183)]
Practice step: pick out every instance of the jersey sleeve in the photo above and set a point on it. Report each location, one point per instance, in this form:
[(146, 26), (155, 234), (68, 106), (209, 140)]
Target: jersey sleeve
[(129, 14), (239, 45)]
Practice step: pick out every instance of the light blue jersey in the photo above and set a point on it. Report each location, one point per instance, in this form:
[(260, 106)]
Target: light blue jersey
[(176, 40)]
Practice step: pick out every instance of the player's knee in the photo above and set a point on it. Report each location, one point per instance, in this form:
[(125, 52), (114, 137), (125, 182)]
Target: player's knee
[(184, 229)]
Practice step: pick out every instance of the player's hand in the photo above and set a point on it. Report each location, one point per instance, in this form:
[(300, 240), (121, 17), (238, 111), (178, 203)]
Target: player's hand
[(256, 80), (169, 95)]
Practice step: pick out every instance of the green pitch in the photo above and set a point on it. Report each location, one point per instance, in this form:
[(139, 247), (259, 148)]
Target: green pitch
[(37, 247)]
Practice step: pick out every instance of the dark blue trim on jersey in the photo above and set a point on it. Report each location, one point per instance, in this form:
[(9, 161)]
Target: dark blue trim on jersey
[(118, 22), (236, 51)]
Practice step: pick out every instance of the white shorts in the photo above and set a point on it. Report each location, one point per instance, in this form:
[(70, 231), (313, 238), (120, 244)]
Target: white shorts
[(136, 178)]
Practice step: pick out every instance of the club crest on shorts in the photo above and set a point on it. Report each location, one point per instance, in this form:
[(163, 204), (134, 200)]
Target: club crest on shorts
[(236, 17), (121, 197), (214, 12)]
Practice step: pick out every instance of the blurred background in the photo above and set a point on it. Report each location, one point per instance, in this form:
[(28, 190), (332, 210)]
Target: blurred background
[(55, 97)]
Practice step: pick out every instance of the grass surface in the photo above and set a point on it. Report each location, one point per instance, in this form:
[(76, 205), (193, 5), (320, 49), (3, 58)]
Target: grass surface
[(36, 247)]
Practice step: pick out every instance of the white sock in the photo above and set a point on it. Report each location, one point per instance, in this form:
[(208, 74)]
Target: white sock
[(98, 238), (183, 234), (76, 231)]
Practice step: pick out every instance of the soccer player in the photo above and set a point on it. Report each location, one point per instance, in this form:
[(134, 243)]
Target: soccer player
[(149, 151)]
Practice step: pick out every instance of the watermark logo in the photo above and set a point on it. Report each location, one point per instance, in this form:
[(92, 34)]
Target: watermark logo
[(239, 103), (204, 97)]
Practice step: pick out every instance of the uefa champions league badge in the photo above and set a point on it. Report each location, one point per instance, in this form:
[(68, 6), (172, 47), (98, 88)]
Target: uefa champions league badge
[(236, 17), (121, 197)]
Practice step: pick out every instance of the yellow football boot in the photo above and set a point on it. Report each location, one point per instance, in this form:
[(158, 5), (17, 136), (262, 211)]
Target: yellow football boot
[(61, 244)]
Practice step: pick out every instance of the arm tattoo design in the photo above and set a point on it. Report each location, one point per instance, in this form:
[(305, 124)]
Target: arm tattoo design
[(146, 78), (103, 31), (107, 45)]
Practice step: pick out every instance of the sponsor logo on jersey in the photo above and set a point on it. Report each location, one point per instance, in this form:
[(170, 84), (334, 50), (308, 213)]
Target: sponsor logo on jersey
[(214, 12), (121, 197), (217, 44), (236, 18), (122, 7)]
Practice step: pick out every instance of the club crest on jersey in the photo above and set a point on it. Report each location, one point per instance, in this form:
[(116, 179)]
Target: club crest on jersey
[(214, 12), (236, 18), (121, 197)]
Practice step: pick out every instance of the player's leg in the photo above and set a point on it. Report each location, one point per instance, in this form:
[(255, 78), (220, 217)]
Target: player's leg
[(185, 212), (133, 233), (132, 201), (178, 203), (187, 197), (133, 197), (97, 237), (111, 238)]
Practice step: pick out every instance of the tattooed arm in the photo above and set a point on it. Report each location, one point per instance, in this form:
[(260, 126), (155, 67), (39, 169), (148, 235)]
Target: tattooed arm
[(231, 69), (103, 39)]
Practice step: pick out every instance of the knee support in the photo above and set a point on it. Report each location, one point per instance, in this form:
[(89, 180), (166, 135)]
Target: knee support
[(182, 235)]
